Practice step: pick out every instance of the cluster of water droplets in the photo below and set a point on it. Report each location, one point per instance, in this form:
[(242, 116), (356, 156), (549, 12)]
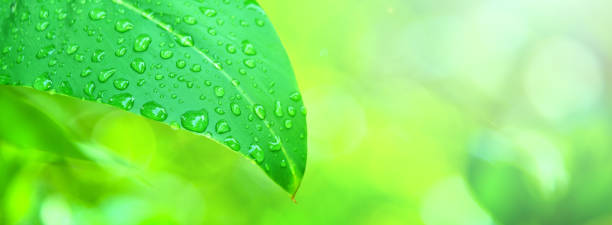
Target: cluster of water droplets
[(239, 60)]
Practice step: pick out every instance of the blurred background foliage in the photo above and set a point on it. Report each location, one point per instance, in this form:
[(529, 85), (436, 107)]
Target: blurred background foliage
[(420, 112)]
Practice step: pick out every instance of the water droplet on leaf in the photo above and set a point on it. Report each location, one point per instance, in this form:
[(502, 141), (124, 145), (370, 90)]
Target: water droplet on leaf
[(295, 96), (256, 152), (42, 82), (89, 89), (166, 54), (97, 14), (235, 109), (222, 127), (71, 49), (142, 43), (248, 49), (250, 63), (121, 84), (124, 101), (208, 11), (185, 41), (154, 111), (260, 111), (278, 110), (232, 143), (123, 26), (195, 121), (190, 20), (230, 48), (138, 65), (275, 145), (219, 91), (98, 56), (106, 74), (42, 25)]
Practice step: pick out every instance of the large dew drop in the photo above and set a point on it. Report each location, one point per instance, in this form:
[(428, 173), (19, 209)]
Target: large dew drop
[(275, 145), (124, 101), (123, 26), (97, 14), (222, 127), (196, 120), (235, 109), (166, 54), (121, 84), (138, 65), (142, 43), (185, 41), (106, 74), (89, 89), (154, 111), (42, 82)]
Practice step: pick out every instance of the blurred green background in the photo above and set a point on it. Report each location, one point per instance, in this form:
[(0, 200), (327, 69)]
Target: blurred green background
[(474, 112)]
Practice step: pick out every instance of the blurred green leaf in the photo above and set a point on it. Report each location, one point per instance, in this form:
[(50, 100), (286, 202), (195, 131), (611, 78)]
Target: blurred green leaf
[(216, 68), (26, 127), (589, 193), (499, 178), (505, 190)]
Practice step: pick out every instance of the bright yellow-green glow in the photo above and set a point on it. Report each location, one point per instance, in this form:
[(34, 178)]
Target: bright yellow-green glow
[(419, 112)]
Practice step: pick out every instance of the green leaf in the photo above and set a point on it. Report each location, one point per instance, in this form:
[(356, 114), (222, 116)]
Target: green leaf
[(509, 193), (26, 127), (216, 68)]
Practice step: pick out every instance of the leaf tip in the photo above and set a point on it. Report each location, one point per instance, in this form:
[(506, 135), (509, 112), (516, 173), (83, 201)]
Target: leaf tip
[(293, 198), (294, 193)]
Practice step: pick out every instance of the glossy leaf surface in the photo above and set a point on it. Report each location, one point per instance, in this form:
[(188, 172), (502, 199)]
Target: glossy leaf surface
[(216, 68)]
